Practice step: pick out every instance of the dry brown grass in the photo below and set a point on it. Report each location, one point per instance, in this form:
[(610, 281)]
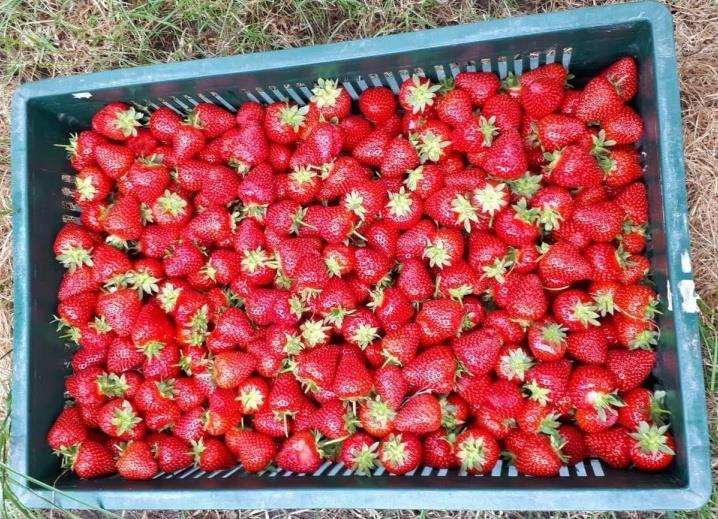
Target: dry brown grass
[(45, 38)]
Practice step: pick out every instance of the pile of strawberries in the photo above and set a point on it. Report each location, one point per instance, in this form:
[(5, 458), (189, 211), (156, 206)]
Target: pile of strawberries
[(429, 278)]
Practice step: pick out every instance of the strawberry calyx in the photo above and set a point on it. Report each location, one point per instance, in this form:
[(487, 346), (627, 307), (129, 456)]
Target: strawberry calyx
[(429, 146), (354, 202), (314, 332), (251, 398), (448, 414), (365, 459), (395, 450), (85, 188), (171, 203), (511, 83), (658, 412), (585, 313), (379, 411), (497, 270), (197, 331), (71, 146), (437, 252), (527, 185), (553, 333), (112, 385), (326, 92), (124, 418), (460, 292), (400, 203), (168, 296), (413, 177), (127, 121), (515, 364), (491, 198), (293, 115), (75, 257), (549, 424), (604, 401), (526, 214), (537, 393), (293, 344), (600, 145), (488, 129), (652, 439), (644, 340), (253, 260), (421, 93), (143, 282), (302, 175), (604, 302), (470, 452), (465, 211), (67, 332), (151, 349), (364, 335)]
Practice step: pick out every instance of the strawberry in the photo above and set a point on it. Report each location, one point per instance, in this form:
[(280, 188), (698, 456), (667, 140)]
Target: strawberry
[(439, 320), (403, 210), (439, 449), (641, 405), (421, 414), (332, 101), (621, 166), (424, 180), (513, 363), (358, 453), (547, 340), (417, 94), (574, 446), (117, 121), (573, 167), (371, 265), (415, 281), (244, 147), (454, 107), (212, 454), (481, 86), (477, 451), (444, 247), (555, 131), (589, 346), (355, 129), (299, 454), (173, 454), (67, 430), (562, 265), (432, 369), (254, 450), (136, 461), (548, 381), (400, 453), (630, 367), (623, 75), (113, 159), (575, 310), (536, 454), (534, 417), (593, 387), (633, 201), (601, 221), (377, 104), (505, 158), (478, 350), (522, 296), (507, 328), (505, 110), (599, 100), (376, 417), (81, 147), (611, 446), (334, 420), (592, 420), (352, 379), (624, 127), (90, 459), (231, 368), (516, 226), (211, 119), (541, 96), (249, 112), (399, 156), (652, 448), (120, 309), (117, 418)]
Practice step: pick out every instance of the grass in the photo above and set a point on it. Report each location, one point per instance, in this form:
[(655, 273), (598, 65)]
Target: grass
[(46, 38)]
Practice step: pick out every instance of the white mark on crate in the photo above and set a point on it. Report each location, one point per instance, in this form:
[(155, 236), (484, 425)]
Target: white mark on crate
[(496, 471), (200, 474), (82, 95), (350, 89), (192, 100), (580, 469), (274, 473), (686, 262), (391, 81), (375, 79), (159, 475), (321, 469), (502, 66), (440, 73), (251, 96), (669, 295), (486, 64), (231, 471), (442, 472), (182, 105), (264, 95), (188, 473), (563, 472), (379, 471), (419, 72), (277, 93), (335, 469), (361, 83), (410, 473), (287, 474), (512, 472), (462, 471), (426, 471), (454, 69), (689, 298), (293, 94), (566, 57), (550, 55), (305, 91), (597, 468), (213, 474), (534, 59), (471, 66), (518, 66), (404, 75), (223, 101), (348, 472)]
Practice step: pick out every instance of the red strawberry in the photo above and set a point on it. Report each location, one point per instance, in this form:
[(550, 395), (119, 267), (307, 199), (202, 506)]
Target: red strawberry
[(599, 100), (439, 320), (454, 107), (522, 296), (562, 265), (478, 350), (574, 167), (212, 454), (556, 131), (624, 127), (399, 157), (505, 110), (249, 112), (417, 94), (117, 121), (541, 96), (403, 210), (652, 448), (300, 454), (536, 455), (481, 86), (623, 75), (91, 459), (575, 310), (173, 454), (630, 367), (548, 381), (400, 453), (231, 368), (244, 147), (589, 346), (371, 265), (505, 158), (136, 461), (444, 247), (547, 340), (211, 119), (352, 379), (420, 415), (254, 450), (377, 104), (477, 451), (114, 159), (641, 405), (67, 430), (574, 446), (359, 453), (376, 417), (611, 446)]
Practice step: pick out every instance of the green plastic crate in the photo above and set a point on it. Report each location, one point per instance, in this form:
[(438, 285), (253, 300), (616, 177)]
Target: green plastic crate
[(45, 112)]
